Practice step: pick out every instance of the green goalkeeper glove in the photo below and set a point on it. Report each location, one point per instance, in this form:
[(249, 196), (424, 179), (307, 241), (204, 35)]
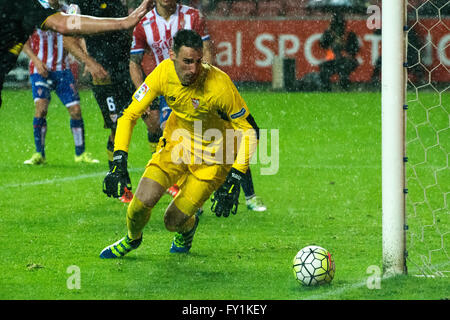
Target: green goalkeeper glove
[(117, 179), (226, 198)]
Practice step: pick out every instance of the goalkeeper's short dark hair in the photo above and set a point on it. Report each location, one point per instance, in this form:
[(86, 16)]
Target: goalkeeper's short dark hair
[(187, 38)]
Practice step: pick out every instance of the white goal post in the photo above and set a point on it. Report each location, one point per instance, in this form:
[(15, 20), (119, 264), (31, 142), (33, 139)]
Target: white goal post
[(393, 88)]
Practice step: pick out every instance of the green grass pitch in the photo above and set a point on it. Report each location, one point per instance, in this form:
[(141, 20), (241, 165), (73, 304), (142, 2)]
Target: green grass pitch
[(327, 192)]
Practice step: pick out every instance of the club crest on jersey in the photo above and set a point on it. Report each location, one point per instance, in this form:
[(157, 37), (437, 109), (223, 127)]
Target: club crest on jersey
[(141, 92), (195, 103)]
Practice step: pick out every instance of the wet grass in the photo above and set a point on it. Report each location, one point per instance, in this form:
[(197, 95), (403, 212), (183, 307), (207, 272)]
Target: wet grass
[(326, 191)]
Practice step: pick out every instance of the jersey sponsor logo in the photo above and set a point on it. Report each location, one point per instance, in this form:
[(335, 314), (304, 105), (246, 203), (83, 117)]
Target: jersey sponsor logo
[(141, 92), (238, 114)]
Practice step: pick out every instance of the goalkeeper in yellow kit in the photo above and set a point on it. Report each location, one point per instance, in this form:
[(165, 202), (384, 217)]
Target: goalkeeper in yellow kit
[(207, 144)]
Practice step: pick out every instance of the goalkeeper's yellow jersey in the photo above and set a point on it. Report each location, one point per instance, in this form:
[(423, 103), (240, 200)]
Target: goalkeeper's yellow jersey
[(203, 115)]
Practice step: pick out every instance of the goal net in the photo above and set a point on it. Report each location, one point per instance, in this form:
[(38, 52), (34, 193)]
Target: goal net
[(427, 137)]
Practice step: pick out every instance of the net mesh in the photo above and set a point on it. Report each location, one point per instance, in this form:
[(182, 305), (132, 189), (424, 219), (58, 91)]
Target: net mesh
[(428, 137)]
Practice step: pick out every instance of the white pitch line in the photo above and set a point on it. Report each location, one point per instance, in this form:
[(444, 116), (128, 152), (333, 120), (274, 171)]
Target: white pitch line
[(97, 174), (361, 284), (62, 180), (93, 175), (346, 288), (337, 291)]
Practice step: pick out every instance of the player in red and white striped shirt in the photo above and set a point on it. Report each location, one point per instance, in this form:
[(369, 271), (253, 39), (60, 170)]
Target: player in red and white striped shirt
[(156, 30), (48, 47), (50, 70)]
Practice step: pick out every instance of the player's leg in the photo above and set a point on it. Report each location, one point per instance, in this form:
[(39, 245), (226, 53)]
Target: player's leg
[(326, 70), (112, 99), (41, 96), (184, 225), (78, 133), (147, 195), (151, 188), (110, 148), (181, 215), (68, 94), (345, 67), (252, 201), (139, 211), (106, 100)]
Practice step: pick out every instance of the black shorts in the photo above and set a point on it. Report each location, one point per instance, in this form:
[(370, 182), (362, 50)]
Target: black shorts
[(112, 100)]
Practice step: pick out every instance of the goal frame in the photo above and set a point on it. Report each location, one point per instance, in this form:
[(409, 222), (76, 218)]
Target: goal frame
[(393, 118)]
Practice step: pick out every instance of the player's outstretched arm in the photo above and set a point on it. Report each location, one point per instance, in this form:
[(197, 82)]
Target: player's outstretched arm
[(81, 24)]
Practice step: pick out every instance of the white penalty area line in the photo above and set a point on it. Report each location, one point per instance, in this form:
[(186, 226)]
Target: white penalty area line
[(63, 180)]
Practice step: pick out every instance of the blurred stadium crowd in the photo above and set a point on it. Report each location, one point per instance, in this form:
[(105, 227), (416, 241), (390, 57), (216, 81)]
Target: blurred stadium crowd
[(306, 8), (276, 10)]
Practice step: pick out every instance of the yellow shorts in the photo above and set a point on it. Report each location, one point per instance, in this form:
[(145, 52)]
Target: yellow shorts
[(196, 181)]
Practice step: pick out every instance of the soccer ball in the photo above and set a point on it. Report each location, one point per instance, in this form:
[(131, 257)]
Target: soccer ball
[(313, 265)]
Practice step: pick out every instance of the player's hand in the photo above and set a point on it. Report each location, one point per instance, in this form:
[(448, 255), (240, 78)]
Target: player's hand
[(98, 73), (226, 198), (41, 68), (133, 19), (117, 179)]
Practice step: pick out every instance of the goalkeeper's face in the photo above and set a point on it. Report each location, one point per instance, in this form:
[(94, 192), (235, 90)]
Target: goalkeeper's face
[(188, 64)]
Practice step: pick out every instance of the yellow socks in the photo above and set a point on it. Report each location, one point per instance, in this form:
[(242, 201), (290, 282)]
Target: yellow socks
[(137, 217)]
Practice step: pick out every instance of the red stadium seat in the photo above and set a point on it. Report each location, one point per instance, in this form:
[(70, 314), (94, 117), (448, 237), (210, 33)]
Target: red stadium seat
[(270, 9), (222, 9), (243, 8)]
